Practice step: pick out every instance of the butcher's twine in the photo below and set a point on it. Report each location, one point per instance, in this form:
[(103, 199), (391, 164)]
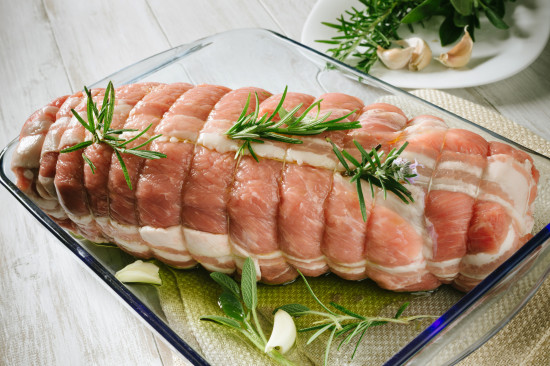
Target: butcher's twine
[(525, 340)]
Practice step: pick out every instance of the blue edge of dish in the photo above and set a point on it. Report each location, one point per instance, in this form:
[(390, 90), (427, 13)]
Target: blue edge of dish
[(401, 357)]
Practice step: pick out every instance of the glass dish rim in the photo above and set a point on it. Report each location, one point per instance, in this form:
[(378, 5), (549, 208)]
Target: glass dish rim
[(181, 346)]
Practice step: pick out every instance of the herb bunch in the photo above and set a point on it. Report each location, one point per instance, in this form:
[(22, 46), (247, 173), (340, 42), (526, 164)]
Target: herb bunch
[(254, 128), (239, 304), (342, 322), (99, 126), (386, 172), (360, 32)]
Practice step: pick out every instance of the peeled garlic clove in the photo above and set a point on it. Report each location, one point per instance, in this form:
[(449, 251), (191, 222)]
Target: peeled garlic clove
[(422, 54), (460, 54), (283, 335), (139, 271), (395, 58)]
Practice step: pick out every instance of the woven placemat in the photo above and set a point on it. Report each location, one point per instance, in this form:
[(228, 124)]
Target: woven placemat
[(525, 340)]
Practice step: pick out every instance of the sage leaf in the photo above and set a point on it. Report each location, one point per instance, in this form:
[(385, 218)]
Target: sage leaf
[(248, 284), (495, 19), (463, 7), (449, 32), (231, 306), (461, 20), (226, 282), (422, 11)]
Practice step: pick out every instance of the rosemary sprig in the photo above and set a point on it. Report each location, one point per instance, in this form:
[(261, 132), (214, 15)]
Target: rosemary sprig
[(342, 322), (239, 304), (360, 32), (254, 128), (385, 172), (99, 125)]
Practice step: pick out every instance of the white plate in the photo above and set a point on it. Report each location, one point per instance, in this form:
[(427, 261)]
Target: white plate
[(497, 54)]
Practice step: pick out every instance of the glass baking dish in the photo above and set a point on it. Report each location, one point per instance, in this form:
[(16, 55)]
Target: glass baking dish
[(257, 57)]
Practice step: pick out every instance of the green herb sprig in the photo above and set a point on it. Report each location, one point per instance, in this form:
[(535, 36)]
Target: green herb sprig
[(386, 172), (239, 304), (99, 125), (360, 32), (254, 128), (342, 322)]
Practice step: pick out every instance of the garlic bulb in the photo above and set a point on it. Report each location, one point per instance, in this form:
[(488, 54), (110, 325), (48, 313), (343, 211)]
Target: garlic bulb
[(395, 58), (283, 335), (460, 54), (422, 54)]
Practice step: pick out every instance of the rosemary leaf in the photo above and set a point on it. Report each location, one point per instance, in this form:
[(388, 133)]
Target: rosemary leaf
[(146, 154), (124, 169), (76, 147), (319, 332), (401, 310), (81, 120), (346, 311), (329, 343), (137, 136), (89, 162)]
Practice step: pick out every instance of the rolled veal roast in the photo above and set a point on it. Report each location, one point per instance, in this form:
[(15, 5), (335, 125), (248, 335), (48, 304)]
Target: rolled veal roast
[(293, 209)]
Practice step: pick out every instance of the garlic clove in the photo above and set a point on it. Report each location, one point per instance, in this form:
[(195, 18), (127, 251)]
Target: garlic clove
[(422, 54), (283, 335), (395, 58), (460, 54), (139, 271)]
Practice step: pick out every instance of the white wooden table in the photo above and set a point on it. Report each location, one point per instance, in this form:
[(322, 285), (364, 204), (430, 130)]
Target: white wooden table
[(52, 312)]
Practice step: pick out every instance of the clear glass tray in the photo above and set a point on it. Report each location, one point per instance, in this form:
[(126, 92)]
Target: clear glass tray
[(256, 57)]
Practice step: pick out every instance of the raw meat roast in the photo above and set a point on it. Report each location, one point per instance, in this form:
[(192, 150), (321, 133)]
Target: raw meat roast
[(473, 199)]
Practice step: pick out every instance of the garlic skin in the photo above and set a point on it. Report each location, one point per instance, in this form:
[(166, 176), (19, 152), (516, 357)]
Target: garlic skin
[(139, 271), (395, 58), (283, 335), (422, 54), (460, 54)]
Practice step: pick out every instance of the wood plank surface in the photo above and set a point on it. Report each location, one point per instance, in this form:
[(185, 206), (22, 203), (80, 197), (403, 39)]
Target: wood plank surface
[(52, 310)]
